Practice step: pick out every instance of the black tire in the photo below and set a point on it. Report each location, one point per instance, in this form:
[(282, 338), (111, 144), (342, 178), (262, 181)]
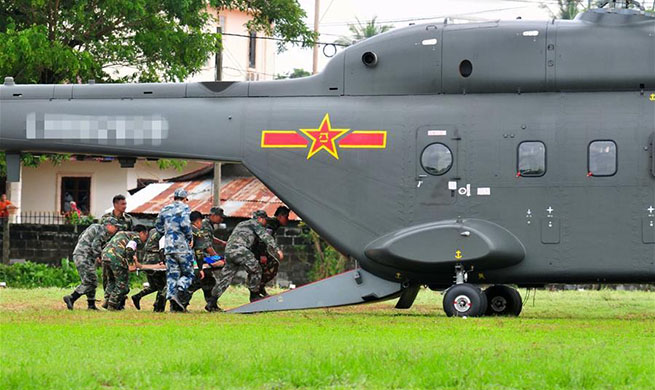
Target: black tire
[(503, 301), (464, 300)]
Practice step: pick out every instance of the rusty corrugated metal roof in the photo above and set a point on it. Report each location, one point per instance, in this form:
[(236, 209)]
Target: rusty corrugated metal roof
[(240, 197)]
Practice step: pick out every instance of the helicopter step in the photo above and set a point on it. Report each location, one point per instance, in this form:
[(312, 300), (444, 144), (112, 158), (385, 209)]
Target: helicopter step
[(348, 288)]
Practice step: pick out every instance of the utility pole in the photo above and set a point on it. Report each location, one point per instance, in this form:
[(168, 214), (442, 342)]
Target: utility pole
[(216, 183), (317, 12)]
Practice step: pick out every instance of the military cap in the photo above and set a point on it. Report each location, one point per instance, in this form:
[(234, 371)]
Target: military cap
[(217, 211), (111, 221), (260, 214), (180, 193)]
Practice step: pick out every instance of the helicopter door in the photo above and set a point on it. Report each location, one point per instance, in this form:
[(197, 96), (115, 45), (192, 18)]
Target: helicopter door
[(437, 168)]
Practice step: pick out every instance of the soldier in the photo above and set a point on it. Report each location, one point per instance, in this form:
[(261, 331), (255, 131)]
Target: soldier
[(203, 234), (173, 222), (86, 255), (156, 279), (125, 223), (270, 264), (120, 256), (238, 253)]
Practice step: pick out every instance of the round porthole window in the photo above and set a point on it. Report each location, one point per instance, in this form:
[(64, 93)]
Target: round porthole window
[(436, 159), (465, 68)]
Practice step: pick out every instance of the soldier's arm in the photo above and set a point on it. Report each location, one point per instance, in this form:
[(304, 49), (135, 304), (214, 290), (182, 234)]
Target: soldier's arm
[(267, 239), (159, 224), (130, 255), (185, 224), (98, 242)]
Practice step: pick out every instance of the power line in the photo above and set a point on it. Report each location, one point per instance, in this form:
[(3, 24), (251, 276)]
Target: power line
[(281, 40)]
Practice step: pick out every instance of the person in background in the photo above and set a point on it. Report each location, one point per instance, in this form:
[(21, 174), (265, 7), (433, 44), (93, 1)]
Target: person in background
[(5, 206)]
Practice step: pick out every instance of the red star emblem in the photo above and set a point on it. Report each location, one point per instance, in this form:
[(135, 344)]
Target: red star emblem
[(324, 137)]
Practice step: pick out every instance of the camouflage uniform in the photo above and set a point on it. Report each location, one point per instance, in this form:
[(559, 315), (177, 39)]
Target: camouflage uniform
[(173, 222), (156, 279), (270, 268), (116, 257), (88, 249), (238, 254), (202, 240), (123, 223)]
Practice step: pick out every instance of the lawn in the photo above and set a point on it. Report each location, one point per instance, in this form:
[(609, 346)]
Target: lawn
[(563, 340)]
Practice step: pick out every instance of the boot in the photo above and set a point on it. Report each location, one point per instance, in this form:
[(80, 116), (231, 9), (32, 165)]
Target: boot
[(92, 304), (121, 305), (263, 292), (175, 300), (69, 300), (212, 305), (254, 296), (112, 307), (105, 304), (136, 300)]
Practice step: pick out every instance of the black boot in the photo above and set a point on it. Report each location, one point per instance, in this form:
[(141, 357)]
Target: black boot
[(254, 296), (92, 304), (121, 305), (178, 301), (69, 300), (136, 300), (212, 305)]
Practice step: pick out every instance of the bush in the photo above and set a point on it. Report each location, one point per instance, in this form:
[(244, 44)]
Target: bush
[(32, 275)]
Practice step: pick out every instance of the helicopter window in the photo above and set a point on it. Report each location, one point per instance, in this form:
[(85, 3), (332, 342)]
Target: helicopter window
[(602, 158), (532, 159), (436, 159)]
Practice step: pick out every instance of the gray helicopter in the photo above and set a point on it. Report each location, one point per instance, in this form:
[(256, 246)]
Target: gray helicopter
[(451, 156)]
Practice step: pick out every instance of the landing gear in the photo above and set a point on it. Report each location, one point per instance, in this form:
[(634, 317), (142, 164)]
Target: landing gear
[(503, 301), (464, 300)]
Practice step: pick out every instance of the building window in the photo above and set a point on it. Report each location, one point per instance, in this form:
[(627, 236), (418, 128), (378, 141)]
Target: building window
[(436, 159), (602, 158), (531, 159), (78, 190), (252, 50)]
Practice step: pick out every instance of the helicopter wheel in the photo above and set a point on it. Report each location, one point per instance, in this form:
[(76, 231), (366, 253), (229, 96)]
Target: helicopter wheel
[(503, 301), (464, 300)]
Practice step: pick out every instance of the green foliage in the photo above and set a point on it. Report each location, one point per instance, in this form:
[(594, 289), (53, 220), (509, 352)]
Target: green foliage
[(76, 219), (296, 74), (34, 275), (165, 163), (328, 261), (51, 42), (33, 160), (31, 275), (361, 31)]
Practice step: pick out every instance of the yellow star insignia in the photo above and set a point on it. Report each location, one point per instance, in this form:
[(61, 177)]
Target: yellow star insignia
[(324, 138)]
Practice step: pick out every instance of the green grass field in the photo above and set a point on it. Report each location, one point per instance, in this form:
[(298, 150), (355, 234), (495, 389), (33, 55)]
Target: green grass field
[(566, 340)]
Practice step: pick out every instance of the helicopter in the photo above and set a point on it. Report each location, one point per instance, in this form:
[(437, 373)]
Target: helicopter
[(452, 156)]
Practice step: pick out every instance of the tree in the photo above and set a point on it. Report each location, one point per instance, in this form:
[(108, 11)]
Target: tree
[(72, 41), (296, 74), (55, 41), (359, 31)]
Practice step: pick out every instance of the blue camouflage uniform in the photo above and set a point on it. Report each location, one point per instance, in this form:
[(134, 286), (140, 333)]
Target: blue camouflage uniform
[(174, 224)]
